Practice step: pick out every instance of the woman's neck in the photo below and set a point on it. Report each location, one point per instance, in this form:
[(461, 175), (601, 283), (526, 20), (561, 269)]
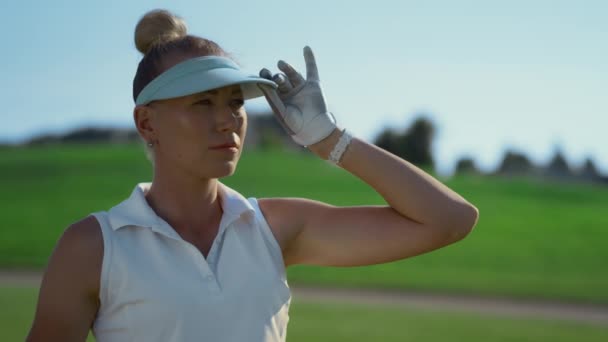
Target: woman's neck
[(188, 205)]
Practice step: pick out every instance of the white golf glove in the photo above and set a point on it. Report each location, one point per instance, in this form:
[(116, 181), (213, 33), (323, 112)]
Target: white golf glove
[(298, 103)]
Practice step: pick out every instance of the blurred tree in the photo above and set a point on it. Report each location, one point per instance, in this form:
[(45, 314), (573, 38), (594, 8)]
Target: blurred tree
[(515, 163), (466, 165), (413, 144), (589, 171), (388, 139), (558, 166), (87, 135), (417, 142)]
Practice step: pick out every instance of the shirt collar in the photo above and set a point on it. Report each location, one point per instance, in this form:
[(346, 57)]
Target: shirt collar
[(135, 210)]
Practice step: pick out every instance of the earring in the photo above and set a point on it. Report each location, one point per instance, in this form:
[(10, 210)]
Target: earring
[(150, 144)]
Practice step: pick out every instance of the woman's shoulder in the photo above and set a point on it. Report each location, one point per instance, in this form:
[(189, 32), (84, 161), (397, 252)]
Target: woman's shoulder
[(85, 232), (79, 251), (85, 238)]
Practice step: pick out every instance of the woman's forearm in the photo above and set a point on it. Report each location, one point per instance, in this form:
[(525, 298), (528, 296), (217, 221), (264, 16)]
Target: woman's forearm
[(406, 188)]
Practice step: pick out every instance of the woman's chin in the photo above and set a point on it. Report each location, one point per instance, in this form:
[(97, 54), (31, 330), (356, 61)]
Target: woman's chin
[(225, 169)]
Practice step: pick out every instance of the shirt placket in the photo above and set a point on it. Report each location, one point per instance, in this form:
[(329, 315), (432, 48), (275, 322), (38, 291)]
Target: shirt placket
[(204, 267), (207, 275), (207, 267)]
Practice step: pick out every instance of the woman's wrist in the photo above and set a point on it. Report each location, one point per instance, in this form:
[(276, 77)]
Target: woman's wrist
[(324, 147)]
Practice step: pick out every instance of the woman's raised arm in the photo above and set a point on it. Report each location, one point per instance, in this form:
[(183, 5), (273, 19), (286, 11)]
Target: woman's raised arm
[(422, 213)]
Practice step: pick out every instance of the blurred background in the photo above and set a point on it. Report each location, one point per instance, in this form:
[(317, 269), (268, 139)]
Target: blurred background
[(502, 101)]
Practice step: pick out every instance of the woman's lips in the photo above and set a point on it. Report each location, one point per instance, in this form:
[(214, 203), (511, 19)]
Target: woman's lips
[(225, 147)]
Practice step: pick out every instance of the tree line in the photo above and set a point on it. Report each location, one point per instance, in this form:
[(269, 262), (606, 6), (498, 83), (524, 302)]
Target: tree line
[(413, 143)]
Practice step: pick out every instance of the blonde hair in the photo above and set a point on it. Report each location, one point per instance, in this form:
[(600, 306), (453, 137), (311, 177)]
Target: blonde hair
[(158, 26), (159, 35)]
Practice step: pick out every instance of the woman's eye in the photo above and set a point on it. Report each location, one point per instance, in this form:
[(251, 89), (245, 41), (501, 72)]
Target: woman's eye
[(238, 102), (204, 102)]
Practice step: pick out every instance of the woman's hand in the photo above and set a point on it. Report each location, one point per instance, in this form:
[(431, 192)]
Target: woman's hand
[(299, 104)]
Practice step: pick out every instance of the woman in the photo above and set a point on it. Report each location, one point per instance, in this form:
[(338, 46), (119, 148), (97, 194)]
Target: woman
[(186, 258)]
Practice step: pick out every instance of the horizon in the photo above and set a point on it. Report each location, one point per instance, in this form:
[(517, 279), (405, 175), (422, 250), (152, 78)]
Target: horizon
[(574, 169), (526, 77)]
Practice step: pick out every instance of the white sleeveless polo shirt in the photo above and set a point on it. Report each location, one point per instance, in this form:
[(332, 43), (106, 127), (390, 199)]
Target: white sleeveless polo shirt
[(155, 286)]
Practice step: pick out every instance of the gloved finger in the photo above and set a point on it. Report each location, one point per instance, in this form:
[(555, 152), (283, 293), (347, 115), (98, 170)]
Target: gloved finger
[(265, 73), (294, 76), (312, 74), (277, 106), (284, 84)]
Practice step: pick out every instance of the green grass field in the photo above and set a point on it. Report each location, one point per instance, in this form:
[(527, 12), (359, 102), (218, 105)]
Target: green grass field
[(353, 323), (532, 240)]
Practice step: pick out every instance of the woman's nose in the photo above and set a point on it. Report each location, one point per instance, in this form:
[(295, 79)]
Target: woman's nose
[(228, 119)]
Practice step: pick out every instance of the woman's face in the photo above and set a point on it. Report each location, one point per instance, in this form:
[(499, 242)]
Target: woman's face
[(200, 134)]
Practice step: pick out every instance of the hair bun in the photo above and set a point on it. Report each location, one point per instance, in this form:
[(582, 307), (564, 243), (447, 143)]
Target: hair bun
[(158, 25)]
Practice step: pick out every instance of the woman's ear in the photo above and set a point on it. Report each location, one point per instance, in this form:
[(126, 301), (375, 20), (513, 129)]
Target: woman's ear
[(144, 116)]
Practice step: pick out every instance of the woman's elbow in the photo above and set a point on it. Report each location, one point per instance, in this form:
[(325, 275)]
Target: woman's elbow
[(462, 221)]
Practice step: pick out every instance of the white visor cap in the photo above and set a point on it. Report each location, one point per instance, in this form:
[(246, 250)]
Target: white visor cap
[(201, 74)]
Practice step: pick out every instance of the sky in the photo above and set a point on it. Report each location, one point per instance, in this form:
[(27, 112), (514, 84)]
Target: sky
[(528, 76)]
